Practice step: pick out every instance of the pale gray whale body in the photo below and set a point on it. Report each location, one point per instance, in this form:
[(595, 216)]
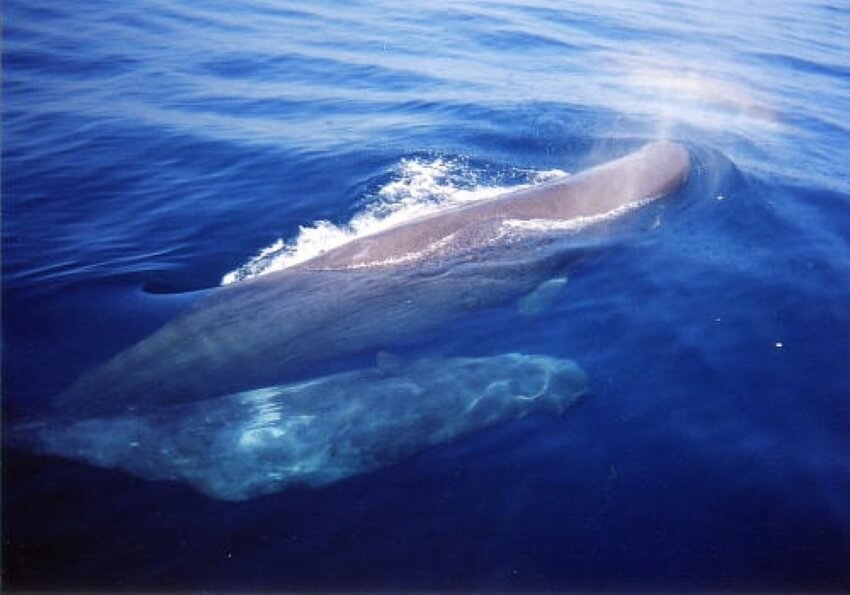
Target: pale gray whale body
[(365, 295), (316, 432)]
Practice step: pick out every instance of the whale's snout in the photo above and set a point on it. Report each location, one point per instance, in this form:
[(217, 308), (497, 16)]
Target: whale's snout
[(567, 384), (669, 162)]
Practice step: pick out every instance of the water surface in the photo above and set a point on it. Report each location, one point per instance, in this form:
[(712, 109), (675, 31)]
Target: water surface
[(152, 149)]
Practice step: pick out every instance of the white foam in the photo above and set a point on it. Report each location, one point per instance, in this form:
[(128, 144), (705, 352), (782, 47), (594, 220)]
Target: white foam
[(420, 187)]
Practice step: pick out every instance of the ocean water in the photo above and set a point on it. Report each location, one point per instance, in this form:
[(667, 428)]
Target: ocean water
[(154, 151)]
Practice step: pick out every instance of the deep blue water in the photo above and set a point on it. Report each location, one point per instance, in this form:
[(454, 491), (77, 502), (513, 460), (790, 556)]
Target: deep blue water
[(151, 148)]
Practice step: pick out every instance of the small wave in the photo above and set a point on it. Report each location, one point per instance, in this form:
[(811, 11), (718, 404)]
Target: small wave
[(419, 187)]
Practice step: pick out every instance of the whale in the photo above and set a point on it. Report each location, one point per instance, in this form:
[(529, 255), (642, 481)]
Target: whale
[(373, 293), (319, 431)]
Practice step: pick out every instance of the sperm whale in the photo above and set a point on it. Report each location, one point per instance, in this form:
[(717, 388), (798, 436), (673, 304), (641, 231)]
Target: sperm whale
[(365, 295), (316, 432)]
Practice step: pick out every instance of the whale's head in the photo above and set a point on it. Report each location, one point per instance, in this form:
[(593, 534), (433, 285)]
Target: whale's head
[(547, 384)]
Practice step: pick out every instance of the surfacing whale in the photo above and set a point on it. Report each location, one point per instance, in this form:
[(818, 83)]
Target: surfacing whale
[(319, 431), (369, 294)]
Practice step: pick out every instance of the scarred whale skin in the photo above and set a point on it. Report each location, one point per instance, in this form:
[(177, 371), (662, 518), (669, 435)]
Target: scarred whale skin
[(365, 295)]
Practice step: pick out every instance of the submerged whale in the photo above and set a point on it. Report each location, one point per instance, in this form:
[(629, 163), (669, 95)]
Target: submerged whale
[(369, 294), (319, 431)]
